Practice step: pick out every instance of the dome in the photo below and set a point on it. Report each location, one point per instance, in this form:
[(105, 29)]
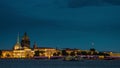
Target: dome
[(17, 46)]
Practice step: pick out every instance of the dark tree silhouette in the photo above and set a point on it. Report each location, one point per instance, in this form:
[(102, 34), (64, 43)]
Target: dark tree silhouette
[(0, 53), (64, 53), (37, 53), (103, 54), (7, 55), (72, 53), (78, 53), (54, 54), (100, 53), (84, 53), (95, 53), (92, 49), (58, 53)]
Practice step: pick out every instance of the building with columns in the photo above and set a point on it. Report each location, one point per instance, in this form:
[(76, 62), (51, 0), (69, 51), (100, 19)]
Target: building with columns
[(23, 50)]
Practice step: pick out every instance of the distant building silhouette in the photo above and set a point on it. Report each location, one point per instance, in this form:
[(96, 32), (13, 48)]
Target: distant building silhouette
[(23, 50), (25, 42)]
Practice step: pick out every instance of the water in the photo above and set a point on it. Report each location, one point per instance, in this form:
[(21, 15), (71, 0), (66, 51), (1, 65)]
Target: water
[(33, 63)]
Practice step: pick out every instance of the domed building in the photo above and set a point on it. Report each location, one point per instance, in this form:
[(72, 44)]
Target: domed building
[(17, 46), (12, 53), (22, 50)]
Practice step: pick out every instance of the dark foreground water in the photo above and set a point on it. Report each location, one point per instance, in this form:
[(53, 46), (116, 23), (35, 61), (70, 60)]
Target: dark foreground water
[(32, 63)]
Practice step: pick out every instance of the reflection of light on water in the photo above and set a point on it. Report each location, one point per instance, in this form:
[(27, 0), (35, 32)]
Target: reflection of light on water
[(33, 63)]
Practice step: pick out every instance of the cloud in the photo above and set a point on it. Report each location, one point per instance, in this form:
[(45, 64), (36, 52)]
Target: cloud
[(113, 2), (51, 12), (84, 3), (62, 20), (60, 3)]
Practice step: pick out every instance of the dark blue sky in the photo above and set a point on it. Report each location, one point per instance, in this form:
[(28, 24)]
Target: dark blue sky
[(61, 23)]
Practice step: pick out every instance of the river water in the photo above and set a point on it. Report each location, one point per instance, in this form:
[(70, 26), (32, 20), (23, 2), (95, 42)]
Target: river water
[(34, 63)]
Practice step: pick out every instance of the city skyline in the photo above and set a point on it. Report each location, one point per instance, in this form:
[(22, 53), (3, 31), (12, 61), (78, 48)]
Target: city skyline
[(91, 44), (59, 24)]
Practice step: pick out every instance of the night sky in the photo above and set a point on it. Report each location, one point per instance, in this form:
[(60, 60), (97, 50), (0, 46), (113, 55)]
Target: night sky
[(62, 23)]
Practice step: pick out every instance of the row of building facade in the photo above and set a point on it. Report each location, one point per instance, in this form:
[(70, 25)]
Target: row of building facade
[(22, 49)]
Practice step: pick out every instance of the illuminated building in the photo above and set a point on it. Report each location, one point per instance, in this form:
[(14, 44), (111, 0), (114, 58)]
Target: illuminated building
[(23, 50), (25, 42), (44, 51)]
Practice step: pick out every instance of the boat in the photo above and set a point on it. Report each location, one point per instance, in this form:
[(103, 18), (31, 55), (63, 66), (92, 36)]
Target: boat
[(71, 58)]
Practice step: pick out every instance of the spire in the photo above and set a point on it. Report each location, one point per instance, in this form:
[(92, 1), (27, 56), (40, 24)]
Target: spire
[(35, 45), (18, 39)]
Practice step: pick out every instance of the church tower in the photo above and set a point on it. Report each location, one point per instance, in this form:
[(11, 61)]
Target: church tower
[(25, 42)]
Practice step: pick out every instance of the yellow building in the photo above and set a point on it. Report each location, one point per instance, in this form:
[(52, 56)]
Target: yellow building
[(23, 50), (44, 51), (7, 54), (115, 54)]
